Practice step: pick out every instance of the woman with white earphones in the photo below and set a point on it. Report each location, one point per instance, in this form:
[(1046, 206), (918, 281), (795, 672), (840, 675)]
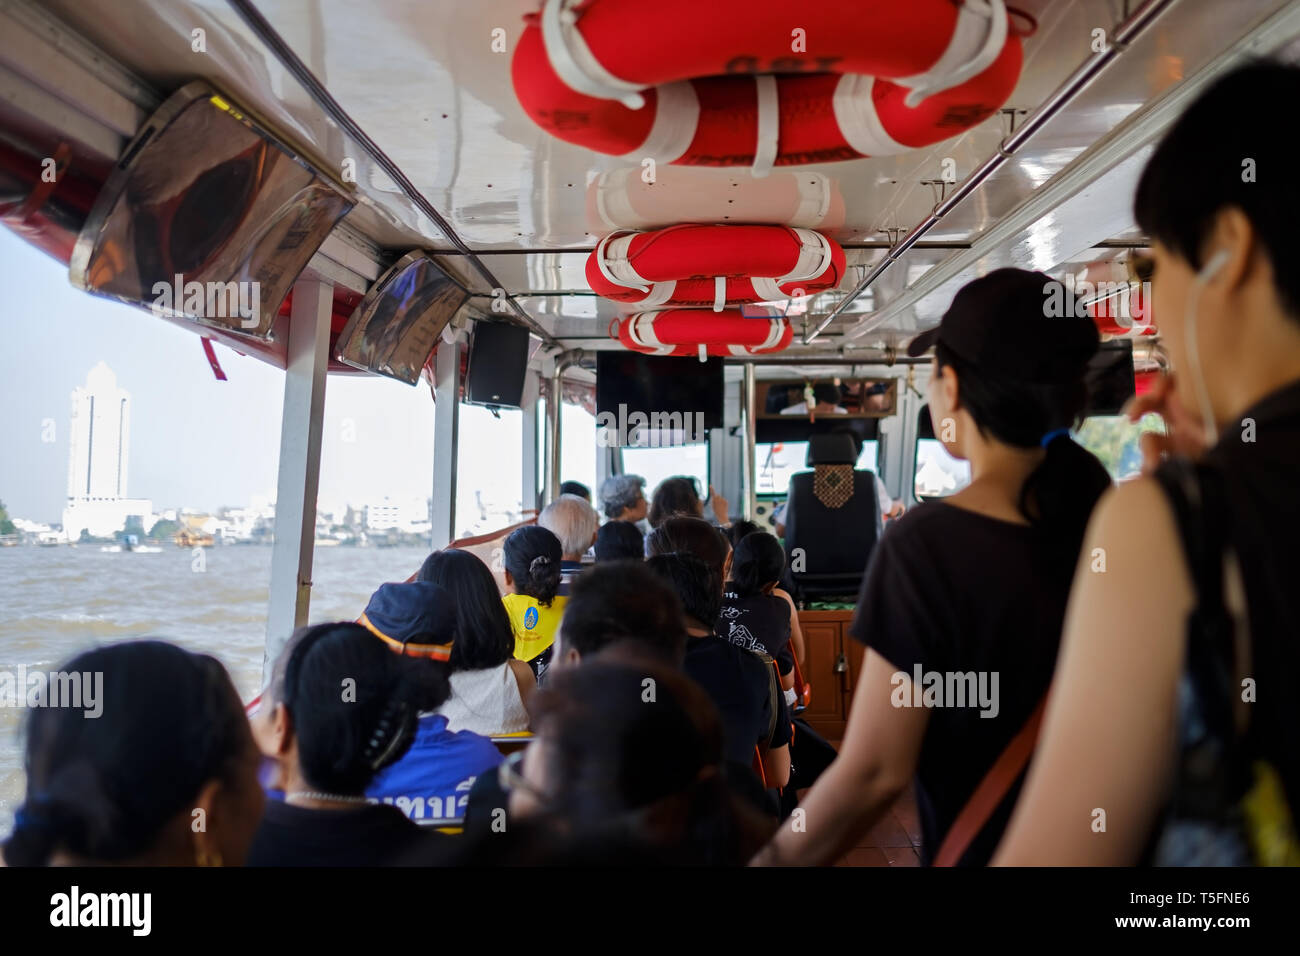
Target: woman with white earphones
[(1170, 735)]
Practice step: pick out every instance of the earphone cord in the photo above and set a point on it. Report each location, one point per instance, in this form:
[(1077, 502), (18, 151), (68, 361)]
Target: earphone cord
[(1194, 349)]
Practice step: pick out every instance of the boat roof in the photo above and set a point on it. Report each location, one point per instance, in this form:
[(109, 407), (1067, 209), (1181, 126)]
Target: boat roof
[(422, 81)]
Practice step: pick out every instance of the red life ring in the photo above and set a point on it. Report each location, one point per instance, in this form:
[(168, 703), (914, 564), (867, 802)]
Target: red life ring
[(693, 265), (692, 83), (700, 332), (1117, 304)]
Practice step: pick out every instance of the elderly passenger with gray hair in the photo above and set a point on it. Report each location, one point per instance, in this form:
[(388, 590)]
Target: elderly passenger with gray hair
[(574, 522), (623, 498)]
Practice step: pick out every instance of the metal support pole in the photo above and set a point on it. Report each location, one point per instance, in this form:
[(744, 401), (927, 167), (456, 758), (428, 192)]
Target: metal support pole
[(299, 478), (747, 462), (553, 435), (446, 432), (528, 458)]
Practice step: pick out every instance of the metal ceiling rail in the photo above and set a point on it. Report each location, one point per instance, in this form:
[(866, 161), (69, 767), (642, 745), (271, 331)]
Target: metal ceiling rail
[(1121, 37), (1118, 146), (290, 61)]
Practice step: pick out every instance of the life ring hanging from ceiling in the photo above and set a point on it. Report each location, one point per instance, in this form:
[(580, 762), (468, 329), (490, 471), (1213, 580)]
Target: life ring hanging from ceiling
[(702, 332), (711, 266), (720, 84)]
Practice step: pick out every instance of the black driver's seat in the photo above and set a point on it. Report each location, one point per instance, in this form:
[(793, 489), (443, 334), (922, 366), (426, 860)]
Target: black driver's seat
[(832, 520)]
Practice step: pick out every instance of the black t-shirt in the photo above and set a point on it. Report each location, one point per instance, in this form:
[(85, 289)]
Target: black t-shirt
[(759, 623), (740, 683), (370, 835), (951, 592)]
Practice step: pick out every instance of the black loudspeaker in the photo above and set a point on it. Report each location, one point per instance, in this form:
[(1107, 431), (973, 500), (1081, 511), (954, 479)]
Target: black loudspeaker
[(498, 359)]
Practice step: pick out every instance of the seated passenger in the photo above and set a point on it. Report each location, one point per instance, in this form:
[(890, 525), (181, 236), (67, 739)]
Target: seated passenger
[(677, 496), (889, 508), (489, 688), (742, 684), (742, 528), (1175, 704), (621, 602), (619, 540), (628, 764), (531, 556), (119, 782), (431, 781), (577, 489), (574, 522), (623, 498), (340, 707), (962, 603), (756, 614)]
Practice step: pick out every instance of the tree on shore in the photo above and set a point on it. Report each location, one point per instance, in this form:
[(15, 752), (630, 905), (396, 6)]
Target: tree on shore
[(6, 526)]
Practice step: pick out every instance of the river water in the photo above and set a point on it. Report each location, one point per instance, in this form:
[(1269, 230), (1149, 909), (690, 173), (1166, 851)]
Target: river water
[(59, 601)]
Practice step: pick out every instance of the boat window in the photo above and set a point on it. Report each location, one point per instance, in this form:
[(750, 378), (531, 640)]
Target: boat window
[(656, 464), (936, 474), (489, 472), (776, 462), (578, 446), (1116, 441)]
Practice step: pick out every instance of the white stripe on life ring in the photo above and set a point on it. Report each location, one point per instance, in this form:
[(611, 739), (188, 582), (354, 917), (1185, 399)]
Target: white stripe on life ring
[(614, 264), (859, 123), (641, 329), (573, 61), (977, 40), (769, 123), (814, 257), (767, 289), (677, 116)]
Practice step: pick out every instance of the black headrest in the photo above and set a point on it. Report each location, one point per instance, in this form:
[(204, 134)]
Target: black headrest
[(833, 449)]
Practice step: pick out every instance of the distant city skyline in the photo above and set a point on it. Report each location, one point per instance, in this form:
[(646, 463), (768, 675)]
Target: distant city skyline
[(203, 444), (195, 442)]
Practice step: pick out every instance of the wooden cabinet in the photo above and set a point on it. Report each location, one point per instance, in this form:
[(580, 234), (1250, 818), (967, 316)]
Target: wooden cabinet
[(834, 660)]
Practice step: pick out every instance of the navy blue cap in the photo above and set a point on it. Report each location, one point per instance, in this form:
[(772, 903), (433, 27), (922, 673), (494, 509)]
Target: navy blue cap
[(415, 617)]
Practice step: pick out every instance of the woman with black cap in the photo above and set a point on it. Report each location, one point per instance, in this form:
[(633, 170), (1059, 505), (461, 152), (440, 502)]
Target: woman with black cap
[(962, 603)]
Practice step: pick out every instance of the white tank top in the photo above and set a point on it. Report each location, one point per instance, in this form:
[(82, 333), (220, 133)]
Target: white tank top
[(485, 702)]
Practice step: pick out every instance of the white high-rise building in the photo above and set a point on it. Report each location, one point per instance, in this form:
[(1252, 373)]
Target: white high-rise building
[(97, 459)]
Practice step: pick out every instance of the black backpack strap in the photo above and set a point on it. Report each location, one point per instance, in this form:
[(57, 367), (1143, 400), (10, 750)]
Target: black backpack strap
[(1199, 501)]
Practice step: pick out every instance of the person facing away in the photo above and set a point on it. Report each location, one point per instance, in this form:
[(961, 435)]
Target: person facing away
[(627, 767), (619, 540), (574, 522), (618, 603), (826, 401), (123, 787), (431, 781), (756, 614), (531, 556), (577, 489), (677, 496), (741, 683), (1179, 725), (623, 498), (962, 602), (339, 709), (489, 688)]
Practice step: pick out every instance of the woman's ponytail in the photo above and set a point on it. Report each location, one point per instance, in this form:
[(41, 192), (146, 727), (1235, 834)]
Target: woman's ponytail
[(532, 556), (1058, 498)]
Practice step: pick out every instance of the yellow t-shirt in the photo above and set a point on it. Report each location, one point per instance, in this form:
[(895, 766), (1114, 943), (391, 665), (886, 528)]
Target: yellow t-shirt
[(534, 625)]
